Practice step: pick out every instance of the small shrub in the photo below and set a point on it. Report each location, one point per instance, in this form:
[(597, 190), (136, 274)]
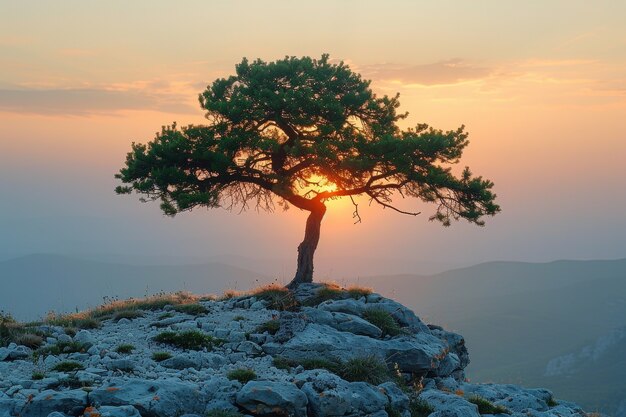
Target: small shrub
[(37, 375), (358, 292), (63, 347), (223, 413), (270, 326), (70, 331), (161, 356), (383, 320), (487, 407), (552, 402), (68, 366), (277, 297), (368, 369), (190, 339), (191, 309), (281, 363), (392, 411), (420, 408), (242, 375), (125, 348), (239, 318), (325, 293), (31, 340), (127, 314)]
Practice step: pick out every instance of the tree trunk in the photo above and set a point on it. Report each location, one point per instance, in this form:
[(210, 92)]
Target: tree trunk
[(306, 249)]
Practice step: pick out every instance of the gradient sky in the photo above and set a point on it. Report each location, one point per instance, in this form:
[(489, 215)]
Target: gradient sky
[(540, 85)]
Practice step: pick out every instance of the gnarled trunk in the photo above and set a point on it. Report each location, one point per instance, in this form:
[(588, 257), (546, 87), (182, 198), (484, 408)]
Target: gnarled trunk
[(306, 249)]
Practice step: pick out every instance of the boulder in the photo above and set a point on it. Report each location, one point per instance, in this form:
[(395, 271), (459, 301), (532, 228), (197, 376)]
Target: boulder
[(448, 405), (158, 398), (273, 398), (71, 402), (121, 411), (342, 321)]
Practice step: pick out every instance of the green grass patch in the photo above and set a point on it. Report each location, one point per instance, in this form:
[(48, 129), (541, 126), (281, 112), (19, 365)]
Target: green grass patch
[(392, 411), (552, 402), (125, 348), (277, 297), (191, 309), (63, 347), (190, 339), (487, 407), (270, 326), (68, 366), (358, 292), (161, 356), (420, 408), (37, 375), (127, 314), (383, 320), (368, 369), (242, 375), (31, 340), (281, 363)]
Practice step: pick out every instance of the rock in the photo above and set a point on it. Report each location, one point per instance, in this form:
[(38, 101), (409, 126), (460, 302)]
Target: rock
[(448, 405), (71, 402), (397, 398), (122, 411), (181, 362), (64, 338), (249, 348), (125, 365), (330, 396), (417, 354), (276, 398), (350, 306), (159, 398), (85, 338), (342, 321), (14, 352), (405, 317)]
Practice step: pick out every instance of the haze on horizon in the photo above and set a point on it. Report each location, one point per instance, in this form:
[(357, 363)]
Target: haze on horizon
[(540, 87)]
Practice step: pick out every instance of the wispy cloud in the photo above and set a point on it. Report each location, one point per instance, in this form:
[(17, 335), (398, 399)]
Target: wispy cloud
[(450, 71), (84, 101)]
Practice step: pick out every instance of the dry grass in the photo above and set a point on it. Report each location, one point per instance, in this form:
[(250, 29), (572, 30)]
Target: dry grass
[(277, 297)]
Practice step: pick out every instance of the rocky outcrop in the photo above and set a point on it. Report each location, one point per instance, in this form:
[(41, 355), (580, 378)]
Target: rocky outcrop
[(322, 358)]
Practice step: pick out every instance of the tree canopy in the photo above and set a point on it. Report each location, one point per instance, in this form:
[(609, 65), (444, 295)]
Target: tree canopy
[(279, 133)]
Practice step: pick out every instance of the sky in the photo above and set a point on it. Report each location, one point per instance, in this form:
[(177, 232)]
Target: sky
[(540, 86)]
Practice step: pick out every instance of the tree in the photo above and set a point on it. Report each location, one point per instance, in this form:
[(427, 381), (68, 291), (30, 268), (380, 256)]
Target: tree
[(301, 131)]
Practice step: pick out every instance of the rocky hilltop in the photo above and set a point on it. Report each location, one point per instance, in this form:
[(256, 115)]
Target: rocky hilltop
[(318, 351)]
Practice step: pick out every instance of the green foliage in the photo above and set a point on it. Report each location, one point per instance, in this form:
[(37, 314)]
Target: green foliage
[(552, 402), (487, 407), (274, 126), (281, 363), (127, 314), (63, 347), (161, 356), (223, 413), (242, 375), (358, 292), (190, 339), (191, 309), (68, 366), (76, 321), (270, 326), (392, 411), (420, 408), (383, 320), (125, 348), (320, 363), (368, 369), (277, 297), (31, 340), (325, 293), (37, 375)]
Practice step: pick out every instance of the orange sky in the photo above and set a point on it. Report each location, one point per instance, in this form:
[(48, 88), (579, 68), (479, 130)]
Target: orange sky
[(541, 87)]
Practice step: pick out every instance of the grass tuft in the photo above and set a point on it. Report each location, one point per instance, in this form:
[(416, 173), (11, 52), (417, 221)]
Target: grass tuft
[(63, 347), (420, 408), (30, 340), (242, 375), (37, 375), (277, 297), (190, 339), (487, 407), (357, 292), (68, 366), (368, 369), (383, 320), (125, 348), (270, 326), (161, 356)]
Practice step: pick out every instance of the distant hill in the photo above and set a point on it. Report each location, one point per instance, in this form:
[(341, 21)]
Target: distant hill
[(33, 285)]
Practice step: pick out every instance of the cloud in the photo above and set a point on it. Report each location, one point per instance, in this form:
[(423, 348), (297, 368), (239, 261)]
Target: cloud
[(451, 71), (84, 101)]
